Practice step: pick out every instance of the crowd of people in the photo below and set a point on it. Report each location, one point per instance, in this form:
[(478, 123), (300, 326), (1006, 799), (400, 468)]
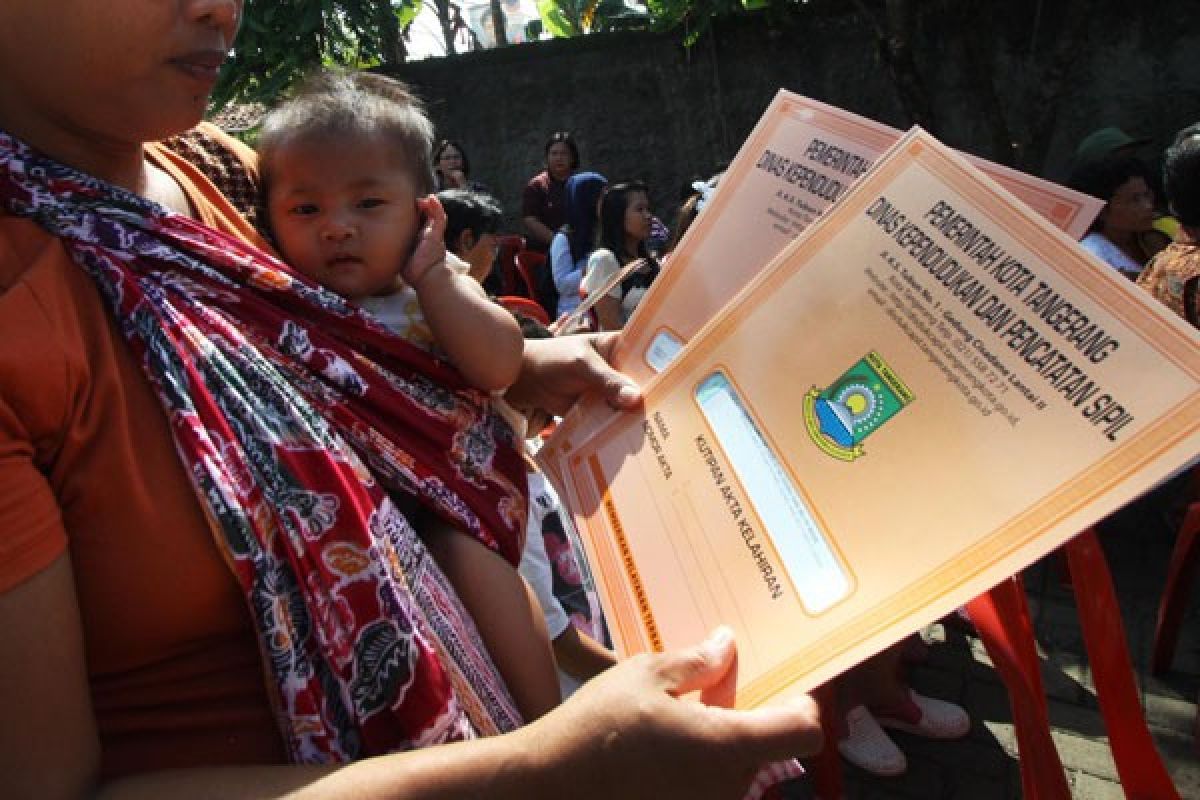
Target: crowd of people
[(590, 230), (272, 523)]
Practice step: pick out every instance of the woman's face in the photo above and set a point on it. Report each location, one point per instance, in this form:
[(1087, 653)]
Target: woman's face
[(119, 70), (637, 216), (1131, 208), (450, 158), (558, 161)]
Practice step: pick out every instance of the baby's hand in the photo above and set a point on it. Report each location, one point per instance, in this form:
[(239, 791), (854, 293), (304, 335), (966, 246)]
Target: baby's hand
[(430, 251)]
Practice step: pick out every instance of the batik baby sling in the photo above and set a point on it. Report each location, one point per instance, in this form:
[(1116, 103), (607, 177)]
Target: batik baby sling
[(296, 416)]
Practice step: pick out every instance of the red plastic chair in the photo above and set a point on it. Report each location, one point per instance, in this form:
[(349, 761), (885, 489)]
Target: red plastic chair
[(507, 247), (1002, 618), (827, 765), (1181, 574), (525, 307), (530, 264), (1139, 765)]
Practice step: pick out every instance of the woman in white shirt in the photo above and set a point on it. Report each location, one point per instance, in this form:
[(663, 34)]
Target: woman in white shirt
[(625, 221)]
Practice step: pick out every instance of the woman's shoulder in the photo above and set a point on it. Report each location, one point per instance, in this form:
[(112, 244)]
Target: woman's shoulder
[(219, 175), (1172, 275), (602, 258), (602, 264), (1107, 251), (41, 286), (49, 312), (228, 162), (1095, 242)]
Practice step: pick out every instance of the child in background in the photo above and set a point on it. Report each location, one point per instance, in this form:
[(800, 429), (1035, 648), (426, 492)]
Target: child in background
[(472, 219), (346, 169)]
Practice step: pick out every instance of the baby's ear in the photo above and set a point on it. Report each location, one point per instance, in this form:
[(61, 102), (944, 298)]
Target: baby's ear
[(466, 241)]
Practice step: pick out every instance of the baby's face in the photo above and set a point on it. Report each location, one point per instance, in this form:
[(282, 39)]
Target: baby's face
[(344, 212)]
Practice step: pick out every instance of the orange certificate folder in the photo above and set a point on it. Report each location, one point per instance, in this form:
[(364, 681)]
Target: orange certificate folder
[(929, 390), (801, 158)]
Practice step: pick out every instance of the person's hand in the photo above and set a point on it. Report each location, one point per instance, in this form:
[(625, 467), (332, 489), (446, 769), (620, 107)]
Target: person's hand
[(557, 372), (629, 733), (430, 250)]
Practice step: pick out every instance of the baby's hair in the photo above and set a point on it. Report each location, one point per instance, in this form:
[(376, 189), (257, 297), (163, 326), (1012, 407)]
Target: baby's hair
[(349, 104), (468, 210)]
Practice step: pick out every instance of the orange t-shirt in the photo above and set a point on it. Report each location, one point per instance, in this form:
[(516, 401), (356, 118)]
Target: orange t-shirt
[(87, 464)]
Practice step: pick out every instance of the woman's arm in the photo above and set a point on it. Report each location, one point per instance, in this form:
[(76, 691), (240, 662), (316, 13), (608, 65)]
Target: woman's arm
[(602, 267), (626, 734), (608, 313), (566, 272), (538, 230), (556, 373), (581, 656), (49, 747), (534, 199)]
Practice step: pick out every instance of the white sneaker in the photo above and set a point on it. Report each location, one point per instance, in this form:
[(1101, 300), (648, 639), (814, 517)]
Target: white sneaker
[(867, 747), (928, 717)]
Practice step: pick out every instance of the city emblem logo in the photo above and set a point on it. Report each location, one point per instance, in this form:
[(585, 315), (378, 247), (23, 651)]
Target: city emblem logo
[(854, 406)]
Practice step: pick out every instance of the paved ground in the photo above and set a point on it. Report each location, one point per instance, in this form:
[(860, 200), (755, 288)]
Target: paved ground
[(984, 765)]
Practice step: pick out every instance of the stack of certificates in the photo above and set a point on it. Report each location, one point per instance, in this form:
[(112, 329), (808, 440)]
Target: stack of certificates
[(880, 377)]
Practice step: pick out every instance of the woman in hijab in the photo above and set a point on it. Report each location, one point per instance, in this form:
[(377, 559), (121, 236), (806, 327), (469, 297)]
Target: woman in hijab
[(571, 246)]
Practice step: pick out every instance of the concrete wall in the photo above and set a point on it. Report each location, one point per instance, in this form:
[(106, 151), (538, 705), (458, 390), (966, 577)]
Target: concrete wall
[(643, 106)]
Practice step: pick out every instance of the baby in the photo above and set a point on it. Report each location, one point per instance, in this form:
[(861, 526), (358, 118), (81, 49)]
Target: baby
[(346, 168)]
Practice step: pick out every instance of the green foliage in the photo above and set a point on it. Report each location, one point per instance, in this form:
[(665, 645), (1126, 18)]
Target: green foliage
[(560, 18), (696, 16), (282, 39), (614, 15), (406, 13), (564, 18)]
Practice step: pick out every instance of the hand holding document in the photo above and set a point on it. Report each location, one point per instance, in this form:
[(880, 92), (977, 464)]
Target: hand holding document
[(927, 390)]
